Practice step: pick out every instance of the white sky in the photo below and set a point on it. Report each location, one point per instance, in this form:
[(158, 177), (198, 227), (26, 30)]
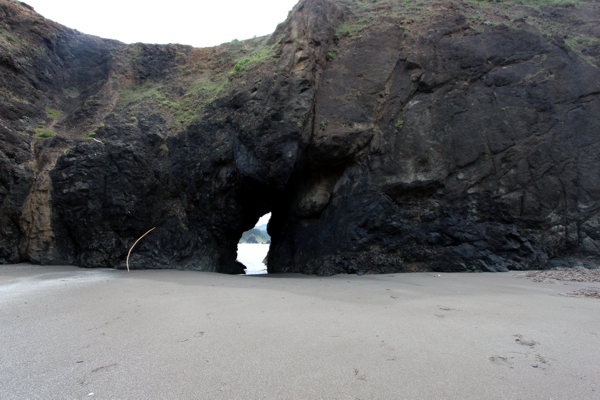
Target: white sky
[(200, 23), (264, 219)]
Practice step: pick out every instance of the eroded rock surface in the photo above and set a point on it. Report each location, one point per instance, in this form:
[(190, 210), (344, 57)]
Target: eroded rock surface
[(384, 137)]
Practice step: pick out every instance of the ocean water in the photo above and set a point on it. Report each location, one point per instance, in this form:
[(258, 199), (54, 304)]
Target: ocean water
[(252, 256)]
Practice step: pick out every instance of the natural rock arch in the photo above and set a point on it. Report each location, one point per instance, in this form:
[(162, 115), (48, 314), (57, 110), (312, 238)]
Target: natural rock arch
[(445, 147)]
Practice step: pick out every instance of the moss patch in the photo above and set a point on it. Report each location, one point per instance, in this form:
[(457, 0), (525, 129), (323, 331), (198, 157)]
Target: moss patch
[(53, 113), (44, 133)]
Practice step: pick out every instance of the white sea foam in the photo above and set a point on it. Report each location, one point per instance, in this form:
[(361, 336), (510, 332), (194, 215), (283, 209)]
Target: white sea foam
[(252, 256)]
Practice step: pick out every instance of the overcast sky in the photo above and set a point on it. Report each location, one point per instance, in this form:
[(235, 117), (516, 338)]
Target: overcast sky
[(200, 23), (264, 219)]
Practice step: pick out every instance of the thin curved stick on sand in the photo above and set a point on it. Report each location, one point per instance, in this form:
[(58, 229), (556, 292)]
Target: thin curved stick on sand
[(136, 242)]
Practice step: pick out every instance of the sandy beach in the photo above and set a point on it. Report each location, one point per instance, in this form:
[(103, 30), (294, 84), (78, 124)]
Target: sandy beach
[(73, 333)]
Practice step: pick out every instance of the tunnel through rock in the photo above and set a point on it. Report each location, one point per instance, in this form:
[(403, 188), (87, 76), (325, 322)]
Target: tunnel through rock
[(253, 247)]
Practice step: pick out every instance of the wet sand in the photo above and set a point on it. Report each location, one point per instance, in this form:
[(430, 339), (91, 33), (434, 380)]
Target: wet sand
[(68, 333)]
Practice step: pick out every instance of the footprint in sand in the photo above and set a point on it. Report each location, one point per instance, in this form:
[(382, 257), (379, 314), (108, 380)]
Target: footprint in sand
[(544, 362), (523, 341), (498, 360), (541, 359), (448, 309), (359, 376), (388, 351)]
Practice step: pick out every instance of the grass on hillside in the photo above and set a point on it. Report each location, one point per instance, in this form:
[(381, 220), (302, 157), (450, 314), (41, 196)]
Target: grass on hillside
[(44, 133), (183, 109), (202, 78), (53, 113), (577, 21), (254, 58)]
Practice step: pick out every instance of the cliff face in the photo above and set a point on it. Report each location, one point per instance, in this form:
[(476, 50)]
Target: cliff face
[(384, 136)]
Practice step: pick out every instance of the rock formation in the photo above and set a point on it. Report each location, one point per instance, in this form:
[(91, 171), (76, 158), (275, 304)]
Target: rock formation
[(255, 236), (384, 136)]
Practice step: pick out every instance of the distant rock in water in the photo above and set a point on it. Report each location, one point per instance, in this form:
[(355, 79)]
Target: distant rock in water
[(383, 137), (255, 236)]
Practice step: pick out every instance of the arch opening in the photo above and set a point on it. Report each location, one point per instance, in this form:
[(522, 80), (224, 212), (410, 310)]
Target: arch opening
[(253, 247)]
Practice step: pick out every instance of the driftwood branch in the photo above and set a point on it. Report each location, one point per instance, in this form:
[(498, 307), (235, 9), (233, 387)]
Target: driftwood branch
[(136, 242)]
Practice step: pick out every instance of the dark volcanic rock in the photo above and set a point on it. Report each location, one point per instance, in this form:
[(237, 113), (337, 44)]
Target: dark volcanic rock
[(473, 166), (424, 140)]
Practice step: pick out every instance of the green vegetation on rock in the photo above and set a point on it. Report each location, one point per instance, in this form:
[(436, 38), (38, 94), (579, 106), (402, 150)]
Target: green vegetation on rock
[(256, 56), (53, 113), (134, 94), (71, 92), (239, 66), (198, 78), (91, 135), (44, 133), (573, 21)]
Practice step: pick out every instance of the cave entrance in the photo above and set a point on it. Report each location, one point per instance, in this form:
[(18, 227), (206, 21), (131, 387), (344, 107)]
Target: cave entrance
[(253, 247)]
